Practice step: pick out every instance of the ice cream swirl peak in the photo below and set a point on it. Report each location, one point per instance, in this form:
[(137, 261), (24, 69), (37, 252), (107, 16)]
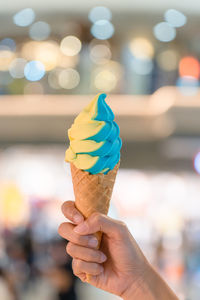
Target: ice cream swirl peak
[(94, 138)]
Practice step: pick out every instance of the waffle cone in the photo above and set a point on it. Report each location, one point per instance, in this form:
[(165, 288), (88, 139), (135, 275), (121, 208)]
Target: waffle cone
[(93, 192)]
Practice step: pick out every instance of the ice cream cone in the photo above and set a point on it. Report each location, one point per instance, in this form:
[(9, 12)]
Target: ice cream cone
[(93, 193)]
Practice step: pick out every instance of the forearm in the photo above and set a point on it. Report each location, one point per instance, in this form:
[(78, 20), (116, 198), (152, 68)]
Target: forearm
[(151, 287)]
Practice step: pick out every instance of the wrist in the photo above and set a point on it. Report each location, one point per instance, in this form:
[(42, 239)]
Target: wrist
[(139, 289), (149, 286)]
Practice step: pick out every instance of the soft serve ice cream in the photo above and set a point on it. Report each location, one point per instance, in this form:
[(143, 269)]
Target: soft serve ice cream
[(94, 138)]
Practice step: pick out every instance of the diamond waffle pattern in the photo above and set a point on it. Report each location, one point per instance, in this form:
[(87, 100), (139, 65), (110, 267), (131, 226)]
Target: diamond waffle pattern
[(93, 193)]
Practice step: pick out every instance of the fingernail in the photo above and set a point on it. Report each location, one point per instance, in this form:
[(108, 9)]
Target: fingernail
[(103, 257), (93, 242), (81, 228), (78, 218)]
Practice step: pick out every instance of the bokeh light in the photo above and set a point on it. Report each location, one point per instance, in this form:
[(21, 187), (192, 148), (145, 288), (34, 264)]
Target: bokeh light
[(107, 77), (33, 88), (34, 70), (70, 45), (189, 66), (100, 54), (105, 80), (6, 57), (168, 60), (39, 31), (142, 66), (69, 78), (16, 68), (47, 52), (102, 30), (188, 86), (24, 17), (100, 13), (142, 48), (164, 32), (197, 163), (175, 18), (10, 43)]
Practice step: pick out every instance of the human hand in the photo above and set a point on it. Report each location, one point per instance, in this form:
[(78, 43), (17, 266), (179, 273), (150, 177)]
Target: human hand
[(124, 267)]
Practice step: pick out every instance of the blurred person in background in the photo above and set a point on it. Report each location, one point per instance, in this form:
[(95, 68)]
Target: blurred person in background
[(61, 275), (119, 267)]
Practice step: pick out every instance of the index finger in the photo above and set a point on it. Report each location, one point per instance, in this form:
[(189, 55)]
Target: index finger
[(71, 213)]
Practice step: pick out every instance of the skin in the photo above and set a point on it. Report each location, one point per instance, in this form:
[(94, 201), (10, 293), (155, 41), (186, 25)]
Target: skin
[(119, 267)]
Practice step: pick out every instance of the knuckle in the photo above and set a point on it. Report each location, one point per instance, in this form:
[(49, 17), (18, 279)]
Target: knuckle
[(122, 228), (77, 239), (122, 225), (97, 217), (68, 209)]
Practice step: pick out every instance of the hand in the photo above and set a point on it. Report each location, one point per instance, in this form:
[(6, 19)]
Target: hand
[(119, 264)]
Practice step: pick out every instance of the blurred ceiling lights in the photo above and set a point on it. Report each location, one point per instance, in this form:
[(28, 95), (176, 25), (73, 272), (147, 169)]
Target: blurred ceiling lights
[(100, 54), (100, 13), (168, 60), (39, 31), (53, 79), (8, 43), (164, 32), (142, 66), (34, 70), (142, 48), (107, 77), (70, 45), (69, 78), (24, 17), (47, 52), (142, 52), (189, 70), (189, 66), (16, 68), (175, 18), (102, 29)]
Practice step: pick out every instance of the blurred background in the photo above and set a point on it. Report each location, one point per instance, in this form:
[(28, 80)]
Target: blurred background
[(54, 56)]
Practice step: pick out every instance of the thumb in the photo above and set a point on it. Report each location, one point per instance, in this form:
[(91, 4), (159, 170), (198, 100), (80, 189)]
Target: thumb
[(99, 222)]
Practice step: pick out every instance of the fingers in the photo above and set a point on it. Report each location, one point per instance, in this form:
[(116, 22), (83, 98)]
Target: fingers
[(80, 266), (99, 222), (70, 212), (66, 231), (85, 254)]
